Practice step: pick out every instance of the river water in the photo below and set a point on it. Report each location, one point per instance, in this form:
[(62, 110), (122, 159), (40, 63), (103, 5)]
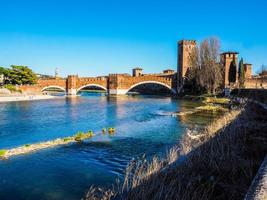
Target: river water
[(144, 125)]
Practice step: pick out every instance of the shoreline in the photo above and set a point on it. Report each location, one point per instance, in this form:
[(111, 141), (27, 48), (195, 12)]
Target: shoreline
[(216, 159), (4, 99)]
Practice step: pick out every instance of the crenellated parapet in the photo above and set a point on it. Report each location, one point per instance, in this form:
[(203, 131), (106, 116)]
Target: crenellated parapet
[(114, 84)]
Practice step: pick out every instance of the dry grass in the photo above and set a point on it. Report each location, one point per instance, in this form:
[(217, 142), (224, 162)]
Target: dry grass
[(214, 100), (218, 163), (211, 108)]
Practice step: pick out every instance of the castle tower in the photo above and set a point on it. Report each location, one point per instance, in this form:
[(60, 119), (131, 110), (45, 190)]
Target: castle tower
[(248, 70), (185, 48), (56, 73), (226, 60), (137, 72)]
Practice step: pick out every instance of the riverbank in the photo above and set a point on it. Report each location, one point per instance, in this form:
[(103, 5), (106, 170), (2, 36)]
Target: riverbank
[(12, 98), (218, 163)]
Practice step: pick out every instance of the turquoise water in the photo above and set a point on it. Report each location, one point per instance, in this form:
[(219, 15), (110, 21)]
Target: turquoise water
[(144, 125)]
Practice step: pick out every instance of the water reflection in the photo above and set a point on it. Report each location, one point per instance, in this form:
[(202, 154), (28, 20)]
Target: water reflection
[(144, 124)]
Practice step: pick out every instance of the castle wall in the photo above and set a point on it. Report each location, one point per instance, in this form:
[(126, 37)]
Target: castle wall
[(257, 82)]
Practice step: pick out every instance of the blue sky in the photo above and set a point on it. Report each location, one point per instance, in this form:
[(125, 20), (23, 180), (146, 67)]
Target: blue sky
[(98, 37)]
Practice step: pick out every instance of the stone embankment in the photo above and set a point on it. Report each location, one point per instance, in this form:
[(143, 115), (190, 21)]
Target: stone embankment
[(258, 188), (11, 98)]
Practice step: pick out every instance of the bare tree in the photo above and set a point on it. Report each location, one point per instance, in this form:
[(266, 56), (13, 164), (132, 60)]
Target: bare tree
[(205, 66)]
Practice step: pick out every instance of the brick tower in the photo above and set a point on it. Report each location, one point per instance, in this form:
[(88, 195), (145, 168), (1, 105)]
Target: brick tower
[(185, 48), (248, 70), (226, 59)]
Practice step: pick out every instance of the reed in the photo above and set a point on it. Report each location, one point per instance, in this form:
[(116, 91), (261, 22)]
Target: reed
[(216, 163)]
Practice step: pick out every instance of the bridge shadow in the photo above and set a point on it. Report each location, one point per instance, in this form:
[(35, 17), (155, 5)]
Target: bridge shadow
[(150, 89)]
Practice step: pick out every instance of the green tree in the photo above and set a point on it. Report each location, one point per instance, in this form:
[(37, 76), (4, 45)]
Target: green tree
[(21, 75), (3, 71), (232, 72), (241, 73)]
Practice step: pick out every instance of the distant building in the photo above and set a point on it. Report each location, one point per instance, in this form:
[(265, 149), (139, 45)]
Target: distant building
[(168, 71), (43, 76), (185, 49), (57, 73), (137, 72)]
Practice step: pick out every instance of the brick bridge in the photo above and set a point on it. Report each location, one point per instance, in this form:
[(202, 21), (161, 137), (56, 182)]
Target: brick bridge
[(114, 84)]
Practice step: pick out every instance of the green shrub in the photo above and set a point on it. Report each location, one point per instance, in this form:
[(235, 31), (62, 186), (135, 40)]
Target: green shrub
[(27, 145), (89, 134), (3, 152), (10, 87), (213, 100), (104, 130), (66, 139), (78, 136), (111, 130), (211, 108)]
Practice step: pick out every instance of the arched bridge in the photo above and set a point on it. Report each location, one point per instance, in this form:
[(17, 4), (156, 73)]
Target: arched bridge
[(114, 84)]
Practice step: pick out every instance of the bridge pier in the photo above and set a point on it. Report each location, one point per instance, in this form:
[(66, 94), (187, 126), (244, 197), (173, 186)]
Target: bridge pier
[(71, 92), (71, 85), (117, 91)]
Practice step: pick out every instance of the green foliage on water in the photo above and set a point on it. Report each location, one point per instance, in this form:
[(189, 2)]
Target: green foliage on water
[(104, 130), (27, 145), (3, 152), (66, 139), (213, 100), (111, 130), (211, 108), (79, 136)]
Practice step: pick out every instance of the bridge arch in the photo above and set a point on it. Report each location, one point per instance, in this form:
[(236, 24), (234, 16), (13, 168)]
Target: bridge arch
[(91, 84), (53, 86), (153, 82)]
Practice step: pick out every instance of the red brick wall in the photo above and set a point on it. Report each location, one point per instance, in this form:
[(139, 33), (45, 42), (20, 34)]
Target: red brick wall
[(113, 81), (260, 82)]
